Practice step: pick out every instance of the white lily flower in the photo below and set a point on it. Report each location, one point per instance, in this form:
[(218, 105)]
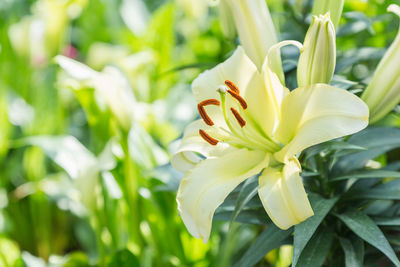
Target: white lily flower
[(318, 58), (383, 92), (41, 35), (110, 84), (251, 124)]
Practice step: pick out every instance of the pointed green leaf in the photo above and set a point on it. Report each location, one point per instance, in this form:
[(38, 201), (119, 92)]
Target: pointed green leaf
[(248, 191), (389, 194), (353, 251), (387, 221), (332, 146), (270, 239), (368, 174), (370, 138), (364, 227), (124, 258), (317, 249), (305, 230)]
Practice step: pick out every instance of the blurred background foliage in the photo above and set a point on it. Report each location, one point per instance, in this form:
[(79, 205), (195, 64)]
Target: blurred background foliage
[(85, 179)]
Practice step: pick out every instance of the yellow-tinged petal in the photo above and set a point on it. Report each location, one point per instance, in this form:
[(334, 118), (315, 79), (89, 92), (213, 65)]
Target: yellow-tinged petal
[(312, 115), (205, 187), (283, 196), (192, 147), (238, 68), (263, 105), (266, 91)]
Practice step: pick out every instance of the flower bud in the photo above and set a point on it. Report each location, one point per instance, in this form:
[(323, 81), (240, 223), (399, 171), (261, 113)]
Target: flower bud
[(254, 26), (318, 59), (226, 20), (333, 7), (383, 92)]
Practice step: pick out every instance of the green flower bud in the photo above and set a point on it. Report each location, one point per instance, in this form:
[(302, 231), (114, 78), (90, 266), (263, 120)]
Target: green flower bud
[(383, 92), (333, 7), (318, 59)]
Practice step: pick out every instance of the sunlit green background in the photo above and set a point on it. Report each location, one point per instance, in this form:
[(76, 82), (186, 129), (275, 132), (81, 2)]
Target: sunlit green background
[(81, 187)]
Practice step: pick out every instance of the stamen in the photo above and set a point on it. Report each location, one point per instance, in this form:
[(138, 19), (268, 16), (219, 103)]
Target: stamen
[(240, 99), (239, 118), (232, 86), (202, 111), (208, 138), (204, 115), (209, 102)]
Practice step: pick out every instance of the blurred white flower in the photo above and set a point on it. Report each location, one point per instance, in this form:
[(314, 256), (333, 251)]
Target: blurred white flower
[(110, 85), (41, 35)]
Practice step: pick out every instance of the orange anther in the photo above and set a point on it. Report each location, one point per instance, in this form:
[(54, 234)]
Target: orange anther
[(209, 102), (240, 99), (239, 118), (232, 86), (204, 115), (208, 138)]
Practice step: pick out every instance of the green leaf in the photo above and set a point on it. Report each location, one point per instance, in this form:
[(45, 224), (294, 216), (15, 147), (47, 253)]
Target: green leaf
[(251, 216), (124, 258), (372, 139), (390, 194), (317, 249), (368, 174), (353, 251), (387, 221), (270, 239), (364, 227), (248, 191), (76, 259), (305, 230), (331, 146), (342, 82), (354, 56)]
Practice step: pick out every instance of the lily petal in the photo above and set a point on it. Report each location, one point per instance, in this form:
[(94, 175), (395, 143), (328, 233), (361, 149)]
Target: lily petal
[(192, 148), (265, 103), (76, 69), (283, 196), (205, 187), (263, 107), (238, 68), (312, 115)]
